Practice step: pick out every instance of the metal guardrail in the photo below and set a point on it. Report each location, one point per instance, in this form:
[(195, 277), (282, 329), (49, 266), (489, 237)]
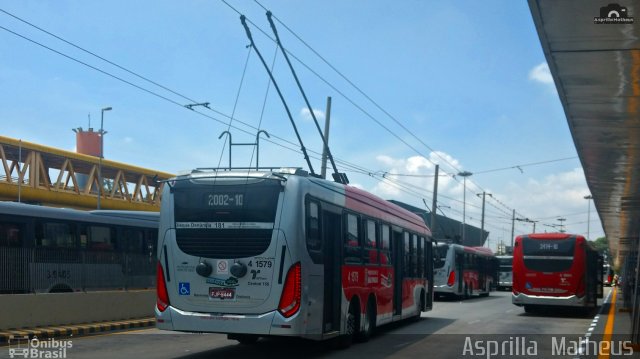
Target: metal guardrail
[(44, 270)]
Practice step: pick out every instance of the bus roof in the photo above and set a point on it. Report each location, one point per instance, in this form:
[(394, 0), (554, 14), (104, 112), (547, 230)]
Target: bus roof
[(355, 198), (550, 236), (482, 251), (131, 218)]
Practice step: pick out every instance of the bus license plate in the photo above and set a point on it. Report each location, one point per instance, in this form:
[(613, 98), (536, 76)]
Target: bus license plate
[(222, 293)]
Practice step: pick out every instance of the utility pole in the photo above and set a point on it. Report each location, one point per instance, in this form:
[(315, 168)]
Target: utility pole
[(464, 175), (513, 227), (327, 119), (434, 204), (482, 220), (588, 198)]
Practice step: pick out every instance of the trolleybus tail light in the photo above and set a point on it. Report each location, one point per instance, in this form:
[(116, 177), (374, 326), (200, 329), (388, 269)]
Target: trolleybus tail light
[(452, 279), (292, 292), (161, 289)]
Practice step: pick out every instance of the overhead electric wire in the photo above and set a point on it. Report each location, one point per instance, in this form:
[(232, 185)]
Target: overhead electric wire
[(525, 165), (354, 167), (164, 97), (341, 93), (360, 90), (104, 59), (228, 124), (375, 103), (233, 112)]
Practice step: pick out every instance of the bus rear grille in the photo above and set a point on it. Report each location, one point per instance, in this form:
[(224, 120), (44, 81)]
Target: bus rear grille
[(223, 244)]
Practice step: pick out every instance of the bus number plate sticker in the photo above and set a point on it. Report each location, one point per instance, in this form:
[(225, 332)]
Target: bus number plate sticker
[(222, 293)]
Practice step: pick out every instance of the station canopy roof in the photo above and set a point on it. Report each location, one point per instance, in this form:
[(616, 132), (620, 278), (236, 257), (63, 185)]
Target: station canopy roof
[(596, 69)]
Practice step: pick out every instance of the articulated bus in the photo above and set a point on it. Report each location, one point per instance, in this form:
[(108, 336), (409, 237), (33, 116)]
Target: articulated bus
[(277, 252), (556, 269), (48, 250), (462, 271), (505, 273)]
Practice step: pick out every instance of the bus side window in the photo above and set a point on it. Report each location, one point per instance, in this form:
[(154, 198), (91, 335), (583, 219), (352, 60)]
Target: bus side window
[(151, 242), (371, 251), (407, 255), (133, 239), (352, 249), (385, 245), (55, 235), (11, 235), (100, 238), (314, 241), (414, 255), (420, 262)]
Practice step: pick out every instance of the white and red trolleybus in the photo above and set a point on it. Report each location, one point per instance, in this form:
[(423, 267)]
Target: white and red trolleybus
[(555, 269), (282, 253), (462, 271)]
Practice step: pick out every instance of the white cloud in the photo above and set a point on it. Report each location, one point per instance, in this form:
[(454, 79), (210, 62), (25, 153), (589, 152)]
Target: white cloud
[(128, 140), (306, 114), (544, 199), (542, 74)]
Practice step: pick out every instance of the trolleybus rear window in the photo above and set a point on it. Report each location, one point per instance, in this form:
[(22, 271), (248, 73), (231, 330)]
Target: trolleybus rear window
[(225, 221), (506, 264), (440, 255), (548, 255)]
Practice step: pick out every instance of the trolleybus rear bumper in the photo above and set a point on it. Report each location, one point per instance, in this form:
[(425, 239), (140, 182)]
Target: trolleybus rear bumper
[(444, 289), (524, 299), (271, 323)]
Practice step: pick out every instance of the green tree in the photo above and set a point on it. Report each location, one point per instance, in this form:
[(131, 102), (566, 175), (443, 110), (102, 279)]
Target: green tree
[(601, 245)]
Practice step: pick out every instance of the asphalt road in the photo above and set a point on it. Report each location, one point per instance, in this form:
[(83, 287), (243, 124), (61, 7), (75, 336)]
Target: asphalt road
[(454, 329)]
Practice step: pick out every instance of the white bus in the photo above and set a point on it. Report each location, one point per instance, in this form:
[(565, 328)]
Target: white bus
[(282, 253), (52, 250), (461, 271), (505, 273)]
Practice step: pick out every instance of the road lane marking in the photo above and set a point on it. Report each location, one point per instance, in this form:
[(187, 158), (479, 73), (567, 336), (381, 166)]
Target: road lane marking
[(608, 328)]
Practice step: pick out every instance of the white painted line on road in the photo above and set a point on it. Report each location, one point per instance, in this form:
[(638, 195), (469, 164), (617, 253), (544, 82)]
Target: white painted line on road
[(590, 329), (474, 322)]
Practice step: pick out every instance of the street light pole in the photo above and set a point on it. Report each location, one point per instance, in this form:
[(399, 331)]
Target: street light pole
[(588, 198), (101, 153), (464, 175)]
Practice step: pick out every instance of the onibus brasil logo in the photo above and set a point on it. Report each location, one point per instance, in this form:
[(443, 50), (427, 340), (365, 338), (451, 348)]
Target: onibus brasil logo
[(23, 347)]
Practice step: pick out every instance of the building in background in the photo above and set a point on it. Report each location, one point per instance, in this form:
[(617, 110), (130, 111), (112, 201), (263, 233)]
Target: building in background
[(449, 229)]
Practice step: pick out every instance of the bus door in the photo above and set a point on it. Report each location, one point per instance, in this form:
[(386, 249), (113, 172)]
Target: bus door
[(593, 273), (459, 259), (332, 240), (600, 269), (482, 265), (398, 257), (428, 263)]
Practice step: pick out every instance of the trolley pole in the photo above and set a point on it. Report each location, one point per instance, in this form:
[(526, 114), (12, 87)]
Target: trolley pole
[(434, 204), (327, 120), (513, 227), (482, 220)]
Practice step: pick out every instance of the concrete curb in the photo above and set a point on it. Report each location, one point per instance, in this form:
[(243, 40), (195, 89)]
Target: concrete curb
[(74, 330)]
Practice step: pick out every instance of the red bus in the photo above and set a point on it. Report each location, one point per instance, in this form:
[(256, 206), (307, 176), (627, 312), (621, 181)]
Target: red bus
[(282, 253), (555, 269)]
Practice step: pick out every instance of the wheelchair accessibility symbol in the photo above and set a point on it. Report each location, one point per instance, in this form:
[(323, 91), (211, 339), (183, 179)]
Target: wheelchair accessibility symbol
[(184, 288)]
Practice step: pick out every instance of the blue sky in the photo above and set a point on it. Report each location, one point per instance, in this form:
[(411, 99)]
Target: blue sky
[(466, 78)]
